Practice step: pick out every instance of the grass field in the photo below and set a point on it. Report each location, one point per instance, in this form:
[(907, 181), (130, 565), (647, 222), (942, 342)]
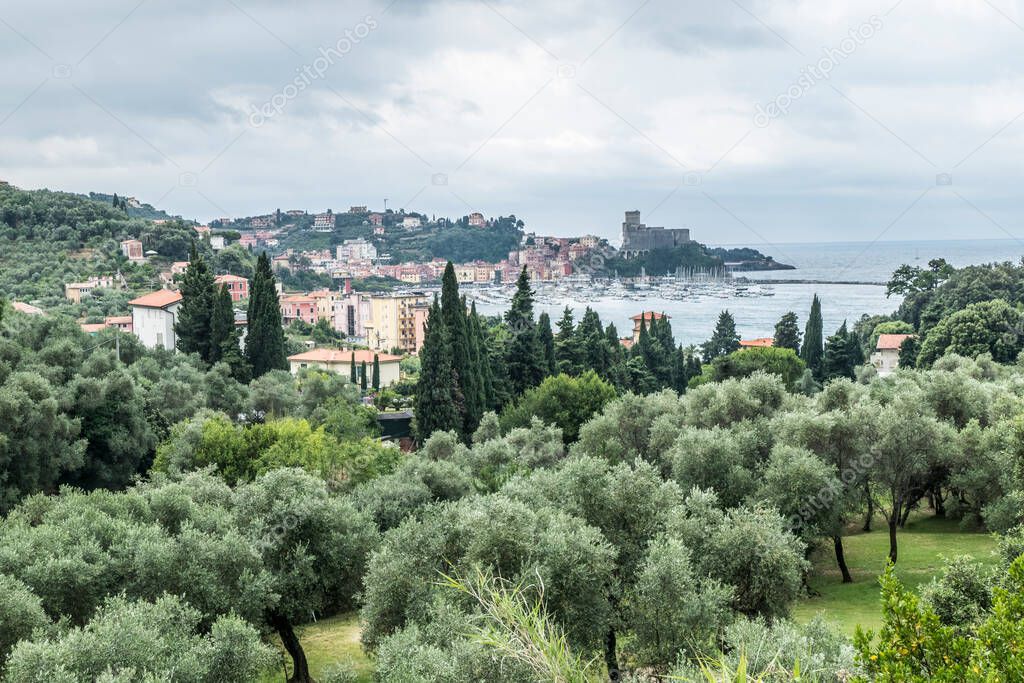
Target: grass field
[(330, 641), (922, 545)]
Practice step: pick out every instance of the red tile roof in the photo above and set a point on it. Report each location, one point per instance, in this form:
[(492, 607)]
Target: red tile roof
[(229, 278), (342, 356), (760, 341), (650, 315), (893, 342), (162, 298)]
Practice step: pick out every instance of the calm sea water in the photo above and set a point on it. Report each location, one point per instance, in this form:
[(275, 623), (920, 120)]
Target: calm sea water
[(829, 264)]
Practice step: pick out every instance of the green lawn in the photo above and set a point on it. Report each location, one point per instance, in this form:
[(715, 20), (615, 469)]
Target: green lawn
[(330, 641), (921, 547)]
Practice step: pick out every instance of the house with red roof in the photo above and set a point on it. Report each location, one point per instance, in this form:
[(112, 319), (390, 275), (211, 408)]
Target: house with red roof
[(238, 287), (340, 361), (760, 342), (886, 356), (153, 318)]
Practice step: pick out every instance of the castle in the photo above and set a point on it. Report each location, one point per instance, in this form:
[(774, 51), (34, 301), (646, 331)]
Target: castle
[(638, 239)]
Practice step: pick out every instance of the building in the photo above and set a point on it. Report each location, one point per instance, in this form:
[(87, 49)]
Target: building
[(132, 250), (760, 342), (153, 318), (411, 222), (299, 307), (238, 287), (358, 209), (340, 361), (351, 312), (323, 222), (377, 219), (325, 300), (648, 317), (217, 242), (638, 238), (589, 241), (392, 322), (886, 357), (121, 322), (356, 250), (179, 267), (76, 291), (248, 241), (477, 220)]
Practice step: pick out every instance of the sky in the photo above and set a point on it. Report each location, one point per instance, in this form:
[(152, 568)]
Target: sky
[(751, 122)]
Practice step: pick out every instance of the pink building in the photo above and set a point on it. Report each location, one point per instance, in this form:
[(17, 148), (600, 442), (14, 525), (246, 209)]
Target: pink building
[(237, 286), (299, 307)]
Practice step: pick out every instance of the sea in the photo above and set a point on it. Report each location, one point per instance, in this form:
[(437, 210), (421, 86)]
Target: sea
[(838, 272)]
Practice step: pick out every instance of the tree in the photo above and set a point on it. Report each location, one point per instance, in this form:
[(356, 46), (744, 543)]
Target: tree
[(778, 361), (906, 442), (264, 343), (787, 333), (21, 612), (353, 374), (438, 401), (362, 377), (376, 372), (812, 350), (725, 339), (193, 325), (567, 351), (993, 327), (39, 442), (562, 400), (315, 547), (225, 337), (161, 640), (453, 313), (909, 350), (547, 344), (524, 357), (914, 645), (838, 359)]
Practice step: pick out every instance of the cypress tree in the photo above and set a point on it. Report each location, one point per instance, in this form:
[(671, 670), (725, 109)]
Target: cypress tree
[(193, 324), (787, 333), (226, 337), (836, 360), (524, 359), (481, 358), (593, 347), (362, 376), (376, 372), (352, 375), (264, 342), (547, 343), (567, 348), (453, 314), (812, 350), (724, 341), (437, 400)]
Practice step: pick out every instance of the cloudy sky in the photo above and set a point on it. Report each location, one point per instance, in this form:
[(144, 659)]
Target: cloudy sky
[(751, 121)]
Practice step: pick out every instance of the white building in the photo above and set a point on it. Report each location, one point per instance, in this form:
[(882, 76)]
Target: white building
[(216, 242), (886, 357), (153, 318), (410, 222), (356, 250)]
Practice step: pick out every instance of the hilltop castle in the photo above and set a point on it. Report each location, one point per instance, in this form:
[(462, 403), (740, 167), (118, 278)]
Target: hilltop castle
[(638, 239)]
